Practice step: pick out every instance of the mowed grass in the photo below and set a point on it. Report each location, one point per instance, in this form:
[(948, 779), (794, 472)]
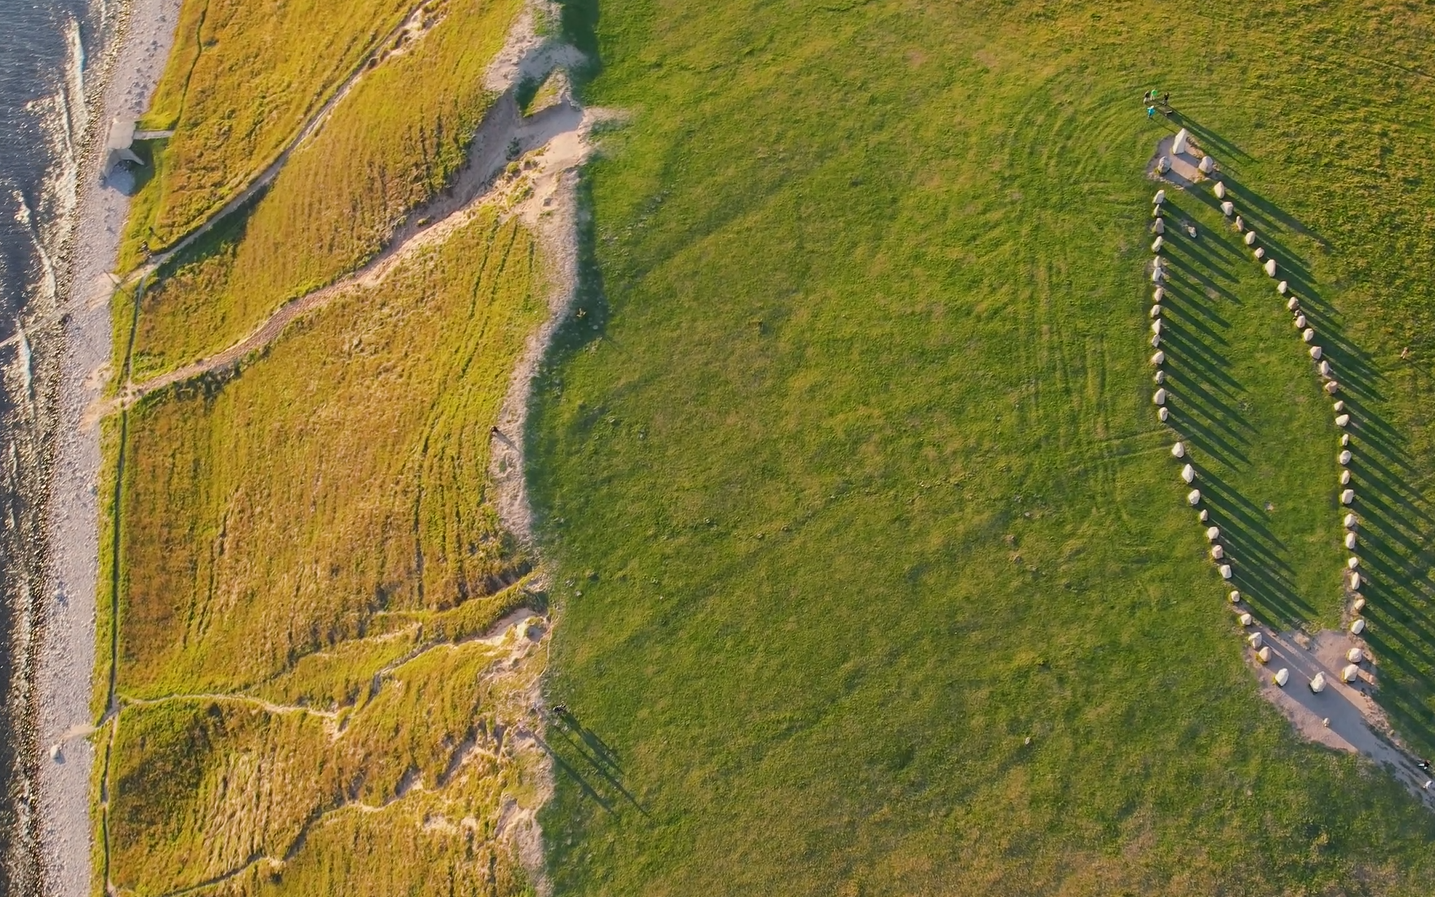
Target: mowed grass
[(340, 476), (876, 573), (387, 148), (240, 80)]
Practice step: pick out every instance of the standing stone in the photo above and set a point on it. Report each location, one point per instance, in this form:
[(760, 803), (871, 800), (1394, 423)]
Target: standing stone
[(1283, 287), (1347, 497), (1181, 143), (1270, 267), (1324, 369), (1293, 304), (1158, 359), (1240, 224), (1351, 541), (1156, 326), (1351, 521), (1259, 253), (1342, 420), (1250, 238), (1194, 497), (1163, 164), (1357, 627), (1160, 377), (1343, 458), (1235, 596), (1159, 227), (1220, 189), (1159, 242), (1213, 533), (1159, 198), (1162, 414), (1217, 553), (1332, 388), (1160, 397), (1188, 474), (1155, 311), (1178, 450), (1228, 208), (1158, 294), (1226, 572), (1308, 335), (1345, 478), (1300, 322), (1315, 352), (1207, 165)]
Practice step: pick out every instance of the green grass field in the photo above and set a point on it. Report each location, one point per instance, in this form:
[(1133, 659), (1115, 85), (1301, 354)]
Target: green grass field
[(861, 484)]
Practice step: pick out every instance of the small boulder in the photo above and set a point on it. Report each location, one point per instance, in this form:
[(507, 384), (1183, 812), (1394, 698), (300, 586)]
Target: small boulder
[(1157, 244), (1155, 311), (1160, 196), (1316, 352), (1344, 457), (1188, 473), (1283, 287), (1264, 655), (1355, 655), (1308, 335), (1217, 552), (1162, 414), (1213, 533), (1160, 397), (1358, 605), (1270, 267), (1228, 208), (1159, 227), (1193, 497), (1351, 541), (1246, 619), (1225, 572), (1353, 562), (1341, 420), (1178, 450), (1350, 673), (1351, 521), (1358, 626), (1220, 190), (1256, 639), (1317, 683), (1235, 596), (1207, 165), (1347, 497), (1158, 359), (1250, 238), (1281, 677), (1300, 322)]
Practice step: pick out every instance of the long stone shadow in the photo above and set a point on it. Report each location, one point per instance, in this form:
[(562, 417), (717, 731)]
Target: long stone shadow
[(1395, 516)]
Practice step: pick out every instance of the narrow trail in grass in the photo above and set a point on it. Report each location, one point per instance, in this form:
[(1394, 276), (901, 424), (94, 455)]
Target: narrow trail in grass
[(504, 129), (398, 39)]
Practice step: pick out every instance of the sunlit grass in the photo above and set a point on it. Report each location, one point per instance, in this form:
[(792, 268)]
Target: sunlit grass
[(859, 486)]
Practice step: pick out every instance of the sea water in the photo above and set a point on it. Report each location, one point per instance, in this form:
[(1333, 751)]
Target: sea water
[(44, 46)]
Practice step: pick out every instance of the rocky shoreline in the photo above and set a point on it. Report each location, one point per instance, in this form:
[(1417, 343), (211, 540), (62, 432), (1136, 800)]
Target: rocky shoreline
[(131, 65)]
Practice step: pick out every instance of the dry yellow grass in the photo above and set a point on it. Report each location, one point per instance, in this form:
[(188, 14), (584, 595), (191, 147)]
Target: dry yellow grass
[(240, 80), (385, 150), (339, 477)]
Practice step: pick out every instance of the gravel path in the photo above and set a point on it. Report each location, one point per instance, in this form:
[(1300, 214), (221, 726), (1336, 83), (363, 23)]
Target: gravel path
[(67, 659)]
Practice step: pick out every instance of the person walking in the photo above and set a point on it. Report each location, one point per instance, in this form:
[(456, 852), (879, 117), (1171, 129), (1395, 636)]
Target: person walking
[(1150, 112)]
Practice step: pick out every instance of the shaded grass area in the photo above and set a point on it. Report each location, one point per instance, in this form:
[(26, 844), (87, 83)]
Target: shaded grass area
[(888, 585), (307, 560), (263, 522), (240, 80), (388, 147)]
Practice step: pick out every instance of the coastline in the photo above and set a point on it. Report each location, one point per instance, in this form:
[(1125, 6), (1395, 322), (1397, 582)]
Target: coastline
[(143, 37)]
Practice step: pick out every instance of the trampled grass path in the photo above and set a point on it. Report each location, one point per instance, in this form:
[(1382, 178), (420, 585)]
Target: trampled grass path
[(504, 127)]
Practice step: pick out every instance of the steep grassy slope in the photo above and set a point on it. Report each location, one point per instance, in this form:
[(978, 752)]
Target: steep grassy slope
[(240, 80), (386, 148), (307, 555), (878, 575)]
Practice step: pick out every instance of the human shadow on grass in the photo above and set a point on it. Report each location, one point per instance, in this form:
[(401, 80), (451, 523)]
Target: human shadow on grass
[(1394, 515), (586, 750)]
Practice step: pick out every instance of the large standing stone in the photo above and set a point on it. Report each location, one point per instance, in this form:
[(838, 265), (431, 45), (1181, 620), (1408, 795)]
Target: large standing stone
[(1163, 164), (1159, 198), (1308, 335), (1178, 450), (1188, 474), (1315, 352), (1270, 267), (1343, 457), (1158, 359), (1341, 420), (1160, 397), (1194, 497), (1347, 497), (1220, 189), (1357, 627), (1250, 238), (1156, 311), (1300, 322), (1182, 142), (1228, 208), (1159, 227), (1207, 165), (1283, 287), (1157, 244)]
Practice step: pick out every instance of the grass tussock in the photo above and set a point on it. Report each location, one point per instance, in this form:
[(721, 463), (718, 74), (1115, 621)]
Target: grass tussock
[(383, 152)]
